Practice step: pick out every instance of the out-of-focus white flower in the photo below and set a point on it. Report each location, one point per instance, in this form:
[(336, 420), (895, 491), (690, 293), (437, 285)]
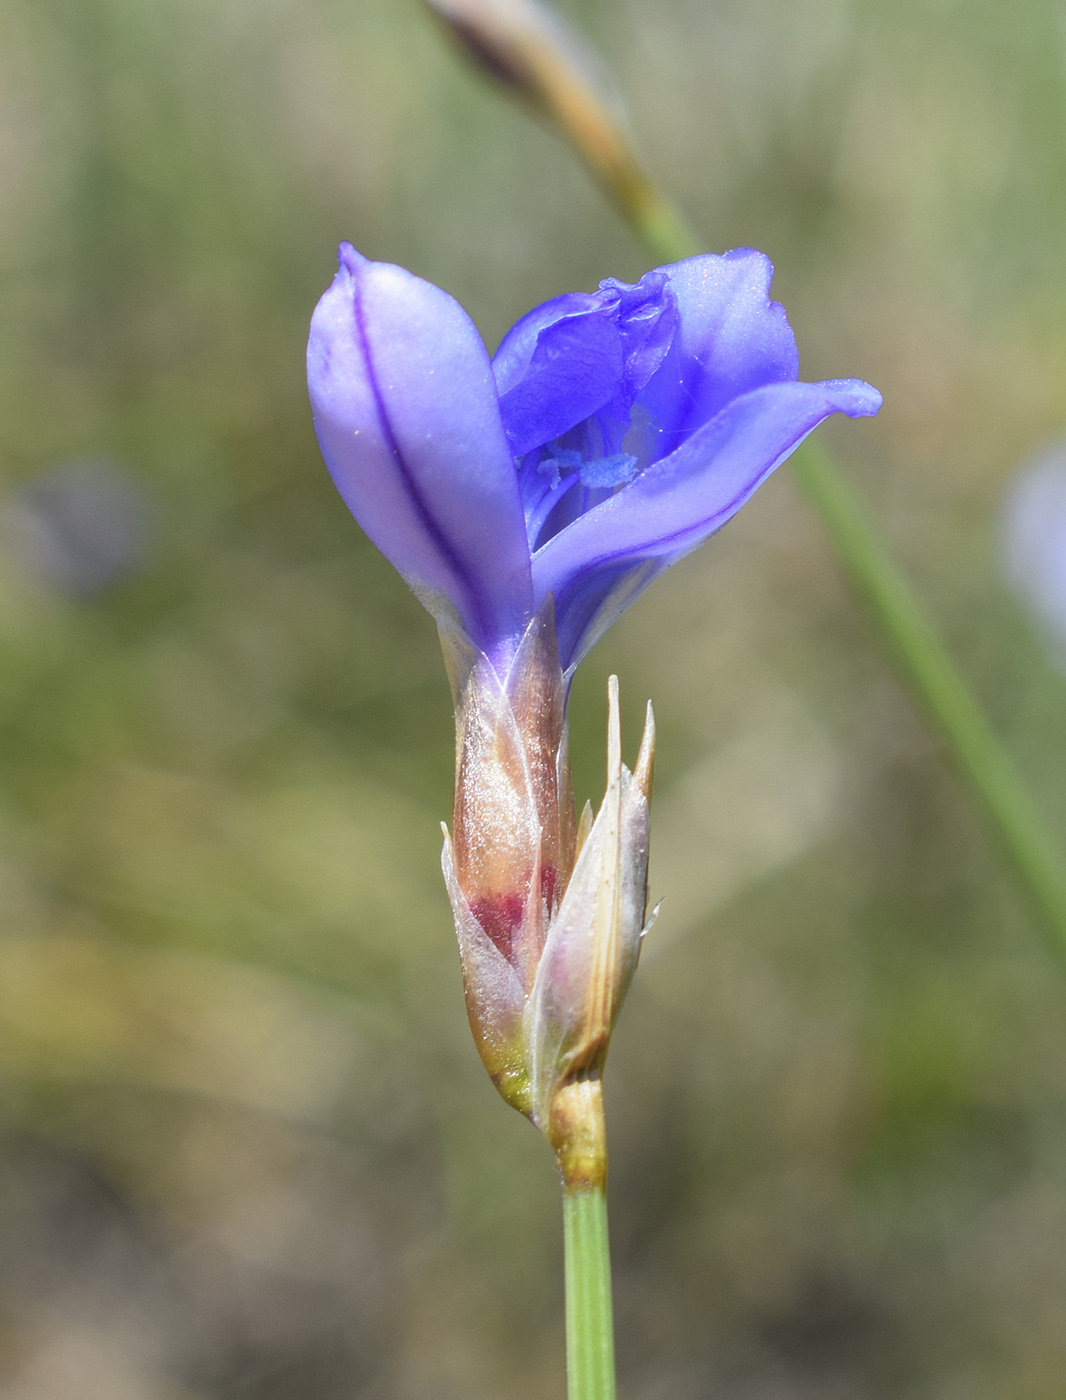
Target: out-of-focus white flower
[(1034, 542)]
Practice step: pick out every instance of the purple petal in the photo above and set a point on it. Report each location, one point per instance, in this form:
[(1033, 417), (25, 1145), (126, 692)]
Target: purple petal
[(595, 599), (731, 339), (407, 418), (647, 320), (577, 355), (596, 566), (511, 360), (575, 368)]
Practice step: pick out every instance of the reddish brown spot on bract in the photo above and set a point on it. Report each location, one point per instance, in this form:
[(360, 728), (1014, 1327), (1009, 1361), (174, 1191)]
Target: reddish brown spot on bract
[(500, 915)]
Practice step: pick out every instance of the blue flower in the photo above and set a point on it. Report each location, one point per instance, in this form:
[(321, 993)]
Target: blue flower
[(612, 433), (527, 500)]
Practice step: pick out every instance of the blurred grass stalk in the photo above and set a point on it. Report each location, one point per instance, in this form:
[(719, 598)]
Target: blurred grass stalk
[(537, 57), (541, 61), (926, 669)]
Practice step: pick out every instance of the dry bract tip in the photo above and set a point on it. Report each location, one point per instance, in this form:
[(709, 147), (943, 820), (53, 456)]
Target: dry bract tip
[(537, 56)]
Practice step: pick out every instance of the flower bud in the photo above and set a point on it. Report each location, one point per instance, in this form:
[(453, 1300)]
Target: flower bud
[(512, 847), (549, 917), (591, 954), (530, 49)]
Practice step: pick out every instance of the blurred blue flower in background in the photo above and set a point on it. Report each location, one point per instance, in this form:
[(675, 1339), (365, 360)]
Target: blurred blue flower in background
[(1034, 543), (610, 435), (80, 526)]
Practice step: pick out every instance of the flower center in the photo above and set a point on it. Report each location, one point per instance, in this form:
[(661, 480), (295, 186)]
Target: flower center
[(601, 473)]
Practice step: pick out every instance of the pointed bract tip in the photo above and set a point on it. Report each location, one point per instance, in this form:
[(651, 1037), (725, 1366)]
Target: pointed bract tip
[(614, 730), (532, 50), (584, 826), (645, 769)]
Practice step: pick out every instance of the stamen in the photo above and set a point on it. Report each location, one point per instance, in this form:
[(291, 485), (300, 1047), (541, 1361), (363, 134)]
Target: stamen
[(608, 472)]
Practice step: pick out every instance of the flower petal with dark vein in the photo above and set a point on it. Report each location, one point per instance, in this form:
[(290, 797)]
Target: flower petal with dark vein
[(612, 433)]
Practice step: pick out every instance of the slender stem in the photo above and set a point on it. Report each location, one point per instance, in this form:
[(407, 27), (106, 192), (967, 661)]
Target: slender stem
[(589, 1325), (928, 672), (924, 666), (578, 1134), (656, 220)]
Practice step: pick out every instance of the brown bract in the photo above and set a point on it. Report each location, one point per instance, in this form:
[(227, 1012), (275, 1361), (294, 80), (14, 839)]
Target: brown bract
[(549, 915), (530, 49)]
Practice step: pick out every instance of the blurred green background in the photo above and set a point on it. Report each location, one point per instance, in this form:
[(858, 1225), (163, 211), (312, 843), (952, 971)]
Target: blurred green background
[(247, 1147)]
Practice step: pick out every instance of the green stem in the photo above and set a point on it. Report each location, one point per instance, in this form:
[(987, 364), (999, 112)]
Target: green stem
[(931, 677), (661, 227), (921, 661), (589, 1325)]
